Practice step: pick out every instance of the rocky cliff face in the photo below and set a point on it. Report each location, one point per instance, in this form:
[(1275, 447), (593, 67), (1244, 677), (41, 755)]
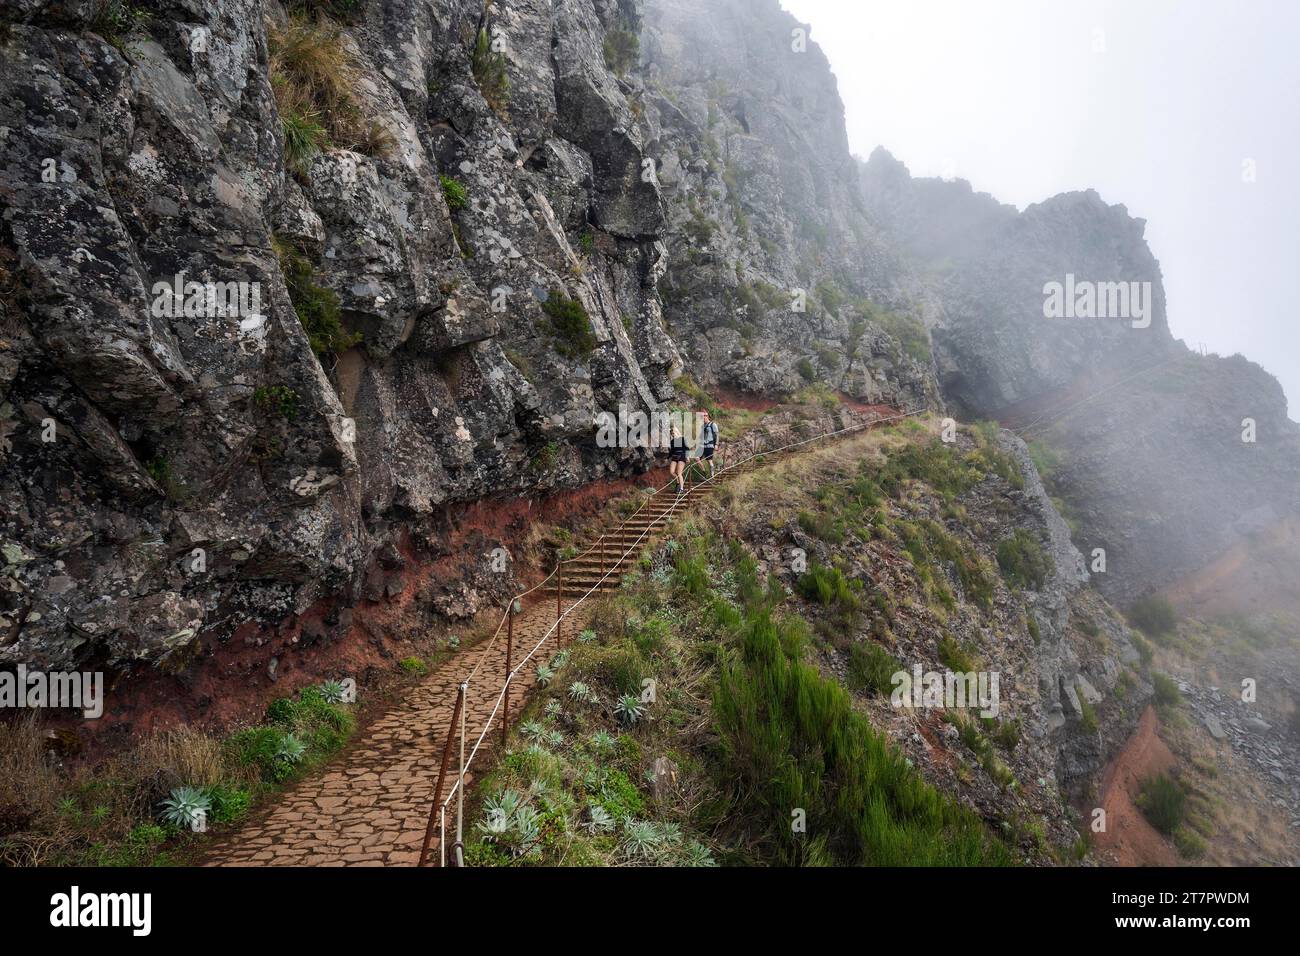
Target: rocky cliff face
[(280, 291)]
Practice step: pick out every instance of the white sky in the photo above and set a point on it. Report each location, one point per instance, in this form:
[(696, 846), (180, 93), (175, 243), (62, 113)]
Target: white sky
[(1011, 95)]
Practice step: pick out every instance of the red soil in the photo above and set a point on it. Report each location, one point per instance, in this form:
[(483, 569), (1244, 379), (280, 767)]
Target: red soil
[(743, 400), (1129, 840), (224, 683)]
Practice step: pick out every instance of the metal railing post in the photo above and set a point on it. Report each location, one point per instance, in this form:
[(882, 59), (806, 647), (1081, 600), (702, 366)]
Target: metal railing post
[(505, 691), (458, 848), (559, 601), (442, 776)]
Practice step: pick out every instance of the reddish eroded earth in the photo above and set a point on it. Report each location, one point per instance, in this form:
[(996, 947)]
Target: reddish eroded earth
[(1129, 840), (220, 684)]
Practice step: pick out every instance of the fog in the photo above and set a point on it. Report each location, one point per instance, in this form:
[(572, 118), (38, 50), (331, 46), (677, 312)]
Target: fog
[(1188, 113)]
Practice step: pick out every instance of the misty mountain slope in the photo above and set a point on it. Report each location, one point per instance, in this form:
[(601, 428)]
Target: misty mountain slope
[(1149, 434)]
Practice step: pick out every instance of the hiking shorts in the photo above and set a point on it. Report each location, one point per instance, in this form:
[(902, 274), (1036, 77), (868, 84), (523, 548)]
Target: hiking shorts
[(706, 453)]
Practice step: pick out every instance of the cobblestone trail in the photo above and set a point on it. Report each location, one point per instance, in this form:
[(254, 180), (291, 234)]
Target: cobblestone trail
[(369, 806)]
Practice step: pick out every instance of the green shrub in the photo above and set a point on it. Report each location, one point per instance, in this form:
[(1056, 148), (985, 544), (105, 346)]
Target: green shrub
[(935, 464), (413, 665), (570, 325), (118, 20), (1166, 690), (1145, 651), (1088, 716), (1005, 733), (304, 137), (280, 401), (1189, 844), (826, 585), (1046, 458), (805, 368), (453, 190), (1163, 802), (822, 526), (489, 71), (622, 49), (907, 330), (955, 657), (316, 306), (793, 740), (1154, 615), (321, 727), (229, 804), (1023, 561), (871, 668), (931, 547)]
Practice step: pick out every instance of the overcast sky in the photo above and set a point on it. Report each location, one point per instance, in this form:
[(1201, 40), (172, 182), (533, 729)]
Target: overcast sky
[(1156, 104)]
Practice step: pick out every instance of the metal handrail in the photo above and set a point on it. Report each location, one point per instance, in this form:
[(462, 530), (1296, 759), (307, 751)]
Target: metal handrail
[(439, 807)]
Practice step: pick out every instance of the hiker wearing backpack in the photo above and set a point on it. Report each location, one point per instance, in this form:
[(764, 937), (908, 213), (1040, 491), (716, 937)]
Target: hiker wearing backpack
[(708, 439)]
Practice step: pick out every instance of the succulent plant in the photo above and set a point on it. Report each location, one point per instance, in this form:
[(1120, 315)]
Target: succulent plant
[(544, 674), (598, 820), (554, 709), (500, 810), (602, 741), (453, 642), (641, 839), (559, 660), (528, 827), (187, 806), (555, 738), (587, 636), (698, 855), (581, 692), (629, 709), (291, 749), (333, 692), (532, 728)]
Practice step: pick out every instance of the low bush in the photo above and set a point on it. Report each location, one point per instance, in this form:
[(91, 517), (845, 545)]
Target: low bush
[(1154, 615), (1023, 561), (1163, 802), (871, 668), (570, 325)]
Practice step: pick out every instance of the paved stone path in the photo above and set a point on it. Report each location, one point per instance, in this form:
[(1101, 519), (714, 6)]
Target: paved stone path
[(369, 806)]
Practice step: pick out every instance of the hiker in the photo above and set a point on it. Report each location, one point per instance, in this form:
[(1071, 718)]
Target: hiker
[(708, 439), (677, 448)]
